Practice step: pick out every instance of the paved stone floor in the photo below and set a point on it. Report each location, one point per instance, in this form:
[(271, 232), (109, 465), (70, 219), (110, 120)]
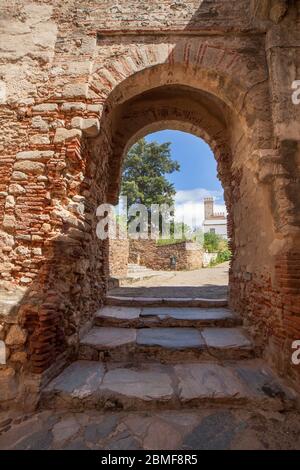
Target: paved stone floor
[(210, 283), (164, 430)]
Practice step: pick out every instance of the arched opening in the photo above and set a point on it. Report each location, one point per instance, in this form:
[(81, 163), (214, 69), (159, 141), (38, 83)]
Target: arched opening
[(177, 169)]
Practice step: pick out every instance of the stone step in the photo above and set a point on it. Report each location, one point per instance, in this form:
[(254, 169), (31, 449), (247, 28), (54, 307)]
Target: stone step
[(135, 269), (141, 273), (138, 317), (167, 345), (246, 384), (123, 301)]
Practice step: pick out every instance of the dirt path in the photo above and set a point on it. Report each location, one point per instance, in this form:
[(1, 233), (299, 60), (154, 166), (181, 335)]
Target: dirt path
[(207, 282)]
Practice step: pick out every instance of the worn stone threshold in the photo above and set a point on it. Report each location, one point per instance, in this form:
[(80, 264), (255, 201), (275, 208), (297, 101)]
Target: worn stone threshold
[(166, 302), (89, 384)]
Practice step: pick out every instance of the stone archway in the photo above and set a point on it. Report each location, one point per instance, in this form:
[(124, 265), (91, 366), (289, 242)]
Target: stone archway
[(68, 161)]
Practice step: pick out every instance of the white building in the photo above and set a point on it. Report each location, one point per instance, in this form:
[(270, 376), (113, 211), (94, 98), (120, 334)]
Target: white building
[(214, 222)]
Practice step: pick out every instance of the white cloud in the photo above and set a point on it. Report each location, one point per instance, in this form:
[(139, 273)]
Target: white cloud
[(189, 205), (197, 195)]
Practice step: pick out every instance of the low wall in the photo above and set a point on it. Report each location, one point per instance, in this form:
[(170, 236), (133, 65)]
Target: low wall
[(188, 255)]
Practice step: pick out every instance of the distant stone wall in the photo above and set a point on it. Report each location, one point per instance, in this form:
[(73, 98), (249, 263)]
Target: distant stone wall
[(118, 254), (147, 253)]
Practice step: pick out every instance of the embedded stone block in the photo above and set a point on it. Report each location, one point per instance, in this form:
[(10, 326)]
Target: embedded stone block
[(62, 134), (76, 90), (90, 126), (16, 336), (9, 222), (45, 107), (28, 166), (10, 202), (73, 106), (35, 155), (19, 176), (16, 189)]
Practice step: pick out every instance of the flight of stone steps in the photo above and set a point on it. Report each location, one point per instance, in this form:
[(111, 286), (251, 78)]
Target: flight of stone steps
[(164, 353)]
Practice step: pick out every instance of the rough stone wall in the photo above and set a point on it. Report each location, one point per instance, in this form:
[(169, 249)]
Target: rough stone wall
[(157, 257), (270, 300), (81, 81)]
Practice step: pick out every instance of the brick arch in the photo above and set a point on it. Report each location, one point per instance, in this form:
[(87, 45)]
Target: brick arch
[(198, 59), (237, 79)]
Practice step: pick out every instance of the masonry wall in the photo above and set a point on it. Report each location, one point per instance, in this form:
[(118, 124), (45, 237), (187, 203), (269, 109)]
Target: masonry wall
[(73, 91)]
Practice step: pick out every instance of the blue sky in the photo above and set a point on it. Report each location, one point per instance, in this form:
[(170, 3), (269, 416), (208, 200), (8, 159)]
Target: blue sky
[(198, 168), (197, 177)]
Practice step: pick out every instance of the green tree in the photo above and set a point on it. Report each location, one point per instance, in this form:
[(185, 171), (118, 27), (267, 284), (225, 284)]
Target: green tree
[(144, 170), (212, 242)]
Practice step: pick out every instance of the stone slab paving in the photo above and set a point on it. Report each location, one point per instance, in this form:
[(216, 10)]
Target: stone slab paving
[(120, 313), (149, 386), (172, 338), (199, 429), (226, 338), (186, 313), (167, 344), (260, 381), (208, 380), (101, 338), (165, 316), (80, 380)]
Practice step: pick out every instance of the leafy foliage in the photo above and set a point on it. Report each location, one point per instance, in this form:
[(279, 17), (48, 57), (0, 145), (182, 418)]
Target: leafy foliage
[(215, 243), (144, 170), (212, 242)]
